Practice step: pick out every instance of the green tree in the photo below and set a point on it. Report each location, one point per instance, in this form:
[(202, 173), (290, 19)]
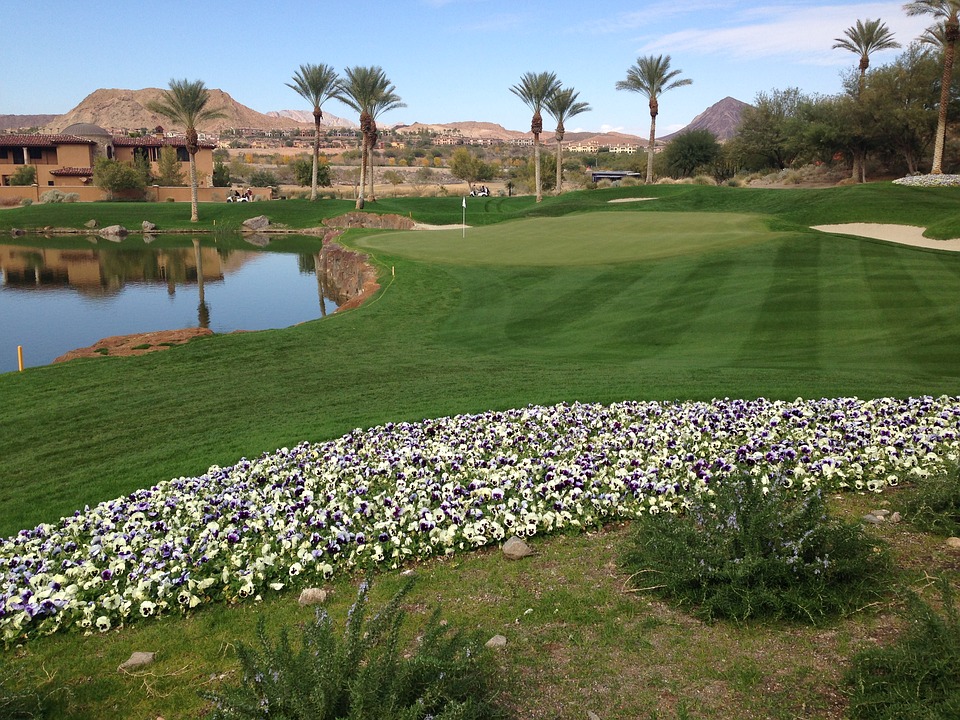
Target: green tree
[(421, 178), (395, 178), (369, 92), (946, 32), (25, 175), (118, 179), (863, 39), (185, 103), (305, 173), (262, 178), (562, 106), (471, 169), (316, 84), (651, 76), (142, 165), (689, 151), (169, 168), (534, 89), (221, 174), (770, 131)]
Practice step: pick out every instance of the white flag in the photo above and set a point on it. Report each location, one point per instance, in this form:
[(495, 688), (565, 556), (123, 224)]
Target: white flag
[(464, 202)]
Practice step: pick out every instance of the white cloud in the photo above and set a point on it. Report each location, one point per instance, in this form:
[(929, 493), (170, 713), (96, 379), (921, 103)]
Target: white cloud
[(612, 128)]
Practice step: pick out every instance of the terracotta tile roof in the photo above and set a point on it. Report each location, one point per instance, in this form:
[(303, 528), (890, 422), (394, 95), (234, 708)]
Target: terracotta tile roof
[(154, 141), (73, 172), (42, 140)]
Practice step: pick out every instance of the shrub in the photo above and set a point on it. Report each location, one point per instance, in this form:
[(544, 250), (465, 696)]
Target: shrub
[(745, 550), (704, 180), (25, 202), (365, 674), (56, 196), (935, 506), (24, 175), (918, 676)]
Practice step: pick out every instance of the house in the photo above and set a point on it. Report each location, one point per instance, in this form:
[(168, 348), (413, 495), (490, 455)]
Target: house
[(65, 161)]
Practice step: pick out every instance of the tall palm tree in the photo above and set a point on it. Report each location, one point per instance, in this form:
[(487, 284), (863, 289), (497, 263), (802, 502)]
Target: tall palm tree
[(185, 103), (534, 89), (946, 13), (650, 77), (863, 39), (316, 84), (367, 91), (384, 103), (563, 105)]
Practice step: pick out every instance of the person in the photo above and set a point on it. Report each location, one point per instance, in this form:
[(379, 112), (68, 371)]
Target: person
[(248, 195)]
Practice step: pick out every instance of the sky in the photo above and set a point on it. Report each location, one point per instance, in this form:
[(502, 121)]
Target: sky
[(450, 60)]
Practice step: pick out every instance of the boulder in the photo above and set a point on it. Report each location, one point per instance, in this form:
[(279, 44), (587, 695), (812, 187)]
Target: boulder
[(516, 549), (260, 222), (17, 232), (91, 224), (313, 596), (497, 641), (953, 542), (137, 660), (147, 226), (258, 239), (369, 220), (114, 232)]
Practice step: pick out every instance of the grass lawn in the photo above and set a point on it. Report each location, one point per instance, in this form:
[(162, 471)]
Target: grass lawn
[(703, 292)]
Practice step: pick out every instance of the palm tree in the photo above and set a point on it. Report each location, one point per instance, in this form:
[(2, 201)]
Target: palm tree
[(650, 77), (185, 103), (946, 12), (367, 91), (534, 89), (563, 105), (316, 84), (863, 39), (389, 100)]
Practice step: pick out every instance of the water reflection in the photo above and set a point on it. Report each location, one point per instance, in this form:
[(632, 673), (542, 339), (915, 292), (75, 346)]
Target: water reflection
[(54, 299)]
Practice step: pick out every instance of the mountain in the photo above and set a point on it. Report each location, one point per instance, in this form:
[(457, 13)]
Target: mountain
[(467, 129), (127, 109), (306, 117), (19, 122), (722, 119)]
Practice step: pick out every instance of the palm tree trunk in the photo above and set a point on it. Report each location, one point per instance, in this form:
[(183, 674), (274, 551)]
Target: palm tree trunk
[(559, 166), (650, 146), (373, 192), (948, 53), (536, 166), (363, 174), (316, 158), (194, 217)]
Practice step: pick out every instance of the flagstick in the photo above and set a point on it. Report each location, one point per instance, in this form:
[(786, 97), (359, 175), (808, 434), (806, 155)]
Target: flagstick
[(463, 224)]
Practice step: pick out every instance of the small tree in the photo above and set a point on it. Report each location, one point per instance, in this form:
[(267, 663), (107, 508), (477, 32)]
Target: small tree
[(26, 175), (303, 173), (169, 168), (221, 174), (394, 178), (118, 179), (466, 166), (691, 150), (262, 178), (421, 178)]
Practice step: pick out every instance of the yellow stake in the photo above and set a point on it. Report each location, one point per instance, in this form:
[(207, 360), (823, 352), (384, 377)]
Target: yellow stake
[(20, 357)]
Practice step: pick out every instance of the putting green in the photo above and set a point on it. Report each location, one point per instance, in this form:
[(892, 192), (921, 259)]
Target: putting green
[(573, 240)]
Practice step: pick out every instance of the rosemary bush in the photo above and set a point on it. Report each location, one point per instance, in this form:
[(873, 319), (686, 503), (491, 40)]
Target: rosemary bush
[(365, 674), (746, 550), (934, 506), (917, 676)]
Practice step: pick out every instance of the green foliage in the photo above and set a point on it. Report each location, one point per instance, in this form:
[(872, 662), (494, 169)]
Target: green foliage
[(221, 174), (689, 151), (24, 175), (470, 168), (934, 506), (58, 196), (262, 178), (169, 168), (118, 179), (364, 674), (918, 675), (748, 550), (303, 172)]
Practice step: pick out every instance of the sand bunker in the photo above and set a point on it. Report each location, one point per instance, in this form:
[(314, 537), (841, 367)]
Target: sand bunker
[(425, 226), (903, 234), (619, 200)]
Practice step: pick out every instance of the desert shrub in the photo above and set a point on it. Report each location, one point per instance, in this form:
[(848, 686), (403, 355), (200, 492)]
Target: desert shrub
[(747, 550), (703, 180), (25, 202), (24, 175), (918, 675), (11, 201), (934, 506), (56, 196), (734, 182), (604, 183), (363, 674), (630, 182)]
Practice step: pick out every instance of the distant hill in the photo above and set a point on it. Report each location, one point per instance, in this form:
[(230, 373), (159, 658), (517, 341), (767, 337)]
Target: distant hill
[(22, 122), (722, 119), (469, 128), (306, 117), (127, 109)]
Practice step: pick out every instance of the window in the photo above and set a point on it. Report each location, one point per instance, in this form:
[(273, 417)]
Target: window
[(182, 154), (35, 153), (3, 153)]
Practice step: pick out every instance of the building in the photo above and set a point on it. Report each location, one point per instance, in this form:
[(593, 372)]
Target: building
[(65, 160)]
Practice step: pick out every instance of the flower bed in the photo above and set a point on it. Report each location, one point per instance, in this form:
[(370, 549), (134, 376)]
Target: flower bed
[(929, 180), (383, 496)]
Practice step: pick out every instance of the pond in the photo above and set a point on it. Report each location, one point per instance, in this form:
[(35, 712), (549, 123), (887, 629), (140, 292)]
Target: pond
[(70, 293)]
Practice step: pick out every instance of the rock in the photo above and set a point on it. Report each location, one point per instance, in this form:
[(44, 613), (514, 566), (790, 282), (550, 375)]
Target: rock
[(17, 232), (515, 549), (91, 224), (258, 239), (257, 223), (147, 226), (881, 513), (369, 220), (895, 518), (114, 232), (873, 519), (497, 641), (312, 596), (591, 715), (137, 660), (148, 238), (953, 542)]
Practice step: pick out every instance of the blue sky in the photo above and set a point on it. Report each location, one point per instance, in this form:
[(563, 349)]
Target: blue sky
[(451, 60)]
